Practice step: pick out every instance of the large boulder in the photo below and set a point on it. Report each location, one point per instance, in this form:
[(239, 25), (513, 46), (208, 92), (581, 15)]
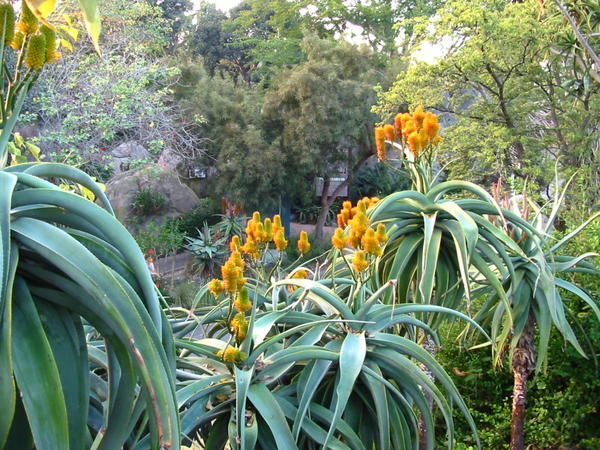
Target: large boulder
[(121, 191), (124, 153)]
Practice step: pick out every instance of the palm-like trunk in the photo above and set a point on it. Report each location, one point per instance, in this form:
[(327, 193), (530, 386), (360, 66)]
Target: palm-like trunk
[(523, 363)]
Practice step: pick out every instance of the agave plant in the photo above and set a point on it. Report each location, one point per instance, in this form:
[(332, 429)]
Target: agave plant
[(307, 364)]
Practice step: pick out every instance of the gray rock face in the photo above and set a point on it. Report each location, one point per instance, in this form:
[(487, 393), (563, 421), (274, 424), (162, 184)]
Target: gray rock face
[(124, 153), (121, 191)]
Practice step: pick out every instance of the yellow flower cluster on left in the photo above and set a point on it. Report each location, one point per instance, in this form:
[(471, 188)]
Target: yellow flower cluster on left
[(360, 236), (259, 233)]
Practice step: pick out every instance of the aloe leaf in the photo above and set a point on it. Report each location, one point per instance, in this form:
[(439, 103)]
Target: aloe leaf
[(10, 123), (352, 356), (574, 233), (380, 400), (37, 374), (55, 170), (429, 258), (242, 383), (266, 405)]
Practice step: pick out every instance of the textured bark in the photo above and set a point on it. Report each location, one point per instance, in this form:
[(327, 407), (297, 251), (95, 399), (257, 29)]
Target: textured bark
[(523, 363)]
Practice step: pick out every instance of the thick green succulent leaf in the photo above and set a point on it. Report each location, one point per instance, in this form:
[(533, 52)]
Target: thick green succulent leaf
[(37, 375), (266, 405), (352, 357)]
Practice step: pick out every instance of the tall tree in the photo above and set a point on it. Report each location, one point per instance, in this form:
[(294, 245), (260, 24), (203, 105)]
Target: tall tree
[(321, 111), (174, 12), (506, 94)]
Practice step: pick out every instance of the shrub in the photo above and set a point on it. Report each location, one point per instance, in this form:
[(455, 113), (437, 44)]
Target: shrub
[(148, 202)]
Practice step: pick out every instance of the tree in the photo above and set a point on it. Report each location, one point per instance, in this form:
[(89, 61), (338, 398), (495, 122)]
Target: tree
[(509, 105), (174, 12), (321, 111)]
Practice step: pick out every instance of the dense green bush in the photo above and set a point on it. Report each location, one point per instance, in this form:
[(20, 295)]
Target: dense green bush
[(377, 181), (148, 202)]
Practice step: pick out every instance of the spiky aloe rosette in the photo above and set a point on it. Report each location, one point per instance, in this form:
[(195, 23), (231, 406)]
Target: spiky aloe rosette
[(82, 332), (289, 361)]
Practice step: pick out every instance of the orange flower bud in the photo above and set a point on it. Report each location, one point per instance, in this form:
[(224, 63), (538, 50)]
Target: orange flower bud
[(230, 273), (398, 125), (347, 205), (380, 143), (414, 143), (388, 131), (418, 115), (370, 244)]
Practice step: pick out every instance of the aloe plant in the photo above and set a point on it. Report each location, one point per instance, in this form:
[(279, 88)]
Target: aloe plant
[(70, 270), (306, 363)]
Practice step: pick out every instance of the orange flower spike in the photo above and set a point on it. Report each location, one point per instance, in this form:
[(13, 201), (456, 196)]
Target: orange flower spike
[(414, 143), (359, 262), (380, 143), (424, 139), (215, 287), (388, 131), (256, 217), (230, 273), (408, 128), (338, 240), (250, 229), (234, 245), (418, 116), (279, 240), (431, 125), (398, 125), (303, 244), (267, 231), (370, 244), (380, 234), (373, 201), (346, 216), (340, 221), (242, 302), (347, 205)]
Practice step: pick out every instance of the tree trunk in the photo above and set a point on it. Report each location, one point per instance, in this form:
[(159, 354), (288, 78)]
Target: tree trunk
[(523, 363), (326, 202)]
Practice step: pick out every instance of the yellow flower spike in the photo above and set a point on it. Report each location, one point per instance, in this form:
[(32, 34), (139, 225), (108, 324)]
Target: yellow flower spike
[(380, 234), (359, 262), (17, 41), (280, 242), (388, 131), (230, 273), (267, 231), (36, 52), (239, 327), (250, 248), (404, 118), (346, 216), (215, 287), (256, 217), (354, 239), (359, 223), (234, 245), (7, 18), (338, 240), (398, 125), (236, 258), (259, 231), (242, 302), (230, 354), (277, 224), (347, 204), (380, 143), (300, 274), (28, 23), (340, 221), (303, 244), (418, 116), (373, 201), (51, 54), (370, 244)]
